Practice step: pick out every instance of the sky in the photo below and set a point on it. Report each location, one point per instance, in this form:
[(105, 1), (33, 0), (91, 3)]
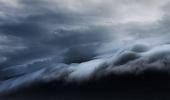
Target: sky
[(77, 40)]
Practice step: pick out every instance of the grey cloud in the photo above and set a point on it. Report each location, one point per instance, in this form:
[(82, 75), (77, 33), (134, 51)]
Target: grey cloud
[(157, 58), (42, 41)]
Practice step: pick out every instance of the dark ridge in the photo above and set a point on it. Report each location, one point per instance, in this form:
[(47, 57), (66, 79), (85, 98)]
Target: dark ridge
[(150, 85), (77, 59), (80, 54)]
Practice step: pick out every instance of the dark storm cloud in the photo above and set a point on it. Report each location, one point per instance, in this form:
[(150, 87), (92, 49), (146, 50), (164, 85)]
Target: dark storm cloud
[(43, 41), (129, 61), (45, 32)]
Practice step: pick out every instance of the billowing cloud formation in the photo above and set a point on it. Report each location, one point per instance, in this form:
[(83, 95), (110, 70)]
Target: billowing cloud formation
[(75, 40), (134, 60)]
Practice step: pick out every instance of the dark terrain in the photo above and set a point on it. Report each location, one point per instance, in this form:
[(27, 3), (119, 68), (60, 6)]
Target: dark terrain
[(146, 86)]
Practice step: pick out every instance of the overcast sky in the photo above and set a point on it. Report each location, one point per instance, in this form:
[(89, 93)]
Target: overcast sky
[(80, 37)]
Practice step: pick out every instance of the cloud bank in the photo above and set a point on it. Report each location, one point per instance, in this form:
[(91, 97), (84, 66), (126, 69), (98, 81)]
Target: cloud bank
[(76, 41)]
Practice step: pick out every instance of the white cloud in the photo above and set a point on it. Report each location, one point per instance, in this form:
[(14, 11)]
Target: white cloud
[(115, 11), (85, 70), (10, 3)]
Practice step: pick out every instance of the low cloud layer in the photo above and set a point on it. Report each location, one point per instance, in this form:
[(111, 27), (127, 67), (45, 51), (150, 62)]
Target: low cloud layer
[(75, 41), (134, 60)]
